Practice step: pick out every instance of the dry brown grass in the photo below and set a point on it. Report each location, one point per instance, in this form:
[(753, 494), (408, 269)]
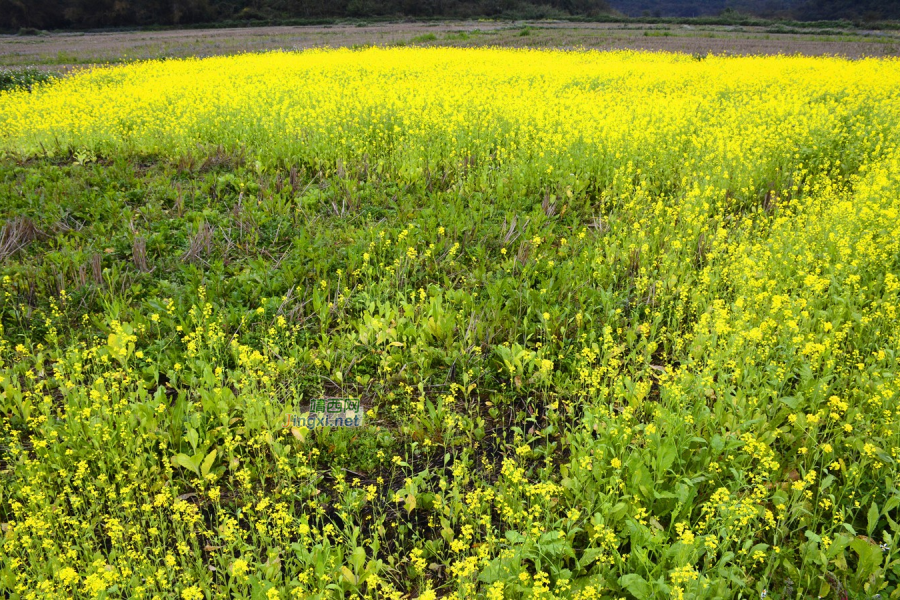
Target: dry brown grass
[(16, 234), (67, 50), (139, 254), (97, 268), (200, 244)]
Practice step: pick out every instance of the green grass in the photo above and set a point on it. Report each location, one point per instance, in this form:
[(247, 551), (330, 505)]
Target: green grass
[(426, 37)]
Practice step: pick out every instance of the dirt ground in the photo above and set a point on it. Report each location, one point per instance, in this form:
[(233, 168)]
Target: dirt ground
[(60, 51)]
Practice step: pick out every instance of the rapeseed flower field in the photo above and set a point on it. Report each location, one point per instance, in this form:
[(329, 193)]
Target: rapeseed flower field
[(623, 325)]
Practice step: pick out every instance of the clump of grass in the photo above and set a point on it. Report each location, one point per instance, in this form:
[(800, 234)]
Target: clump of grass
[(457, 36), (425, 37)]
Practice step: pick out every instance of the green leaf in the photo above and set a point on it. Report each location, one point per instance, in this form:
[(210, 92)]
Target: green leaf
[(186, 461), (358, 558), (642, 480), (192, 438), (790, 401), (872, 518), (589, 556), (636, 585), (348, 575), (893, 524), (500, 568), (841, 541), (869, 557), (617, 511), (667, 456), (552, 545), (208, 463), (515, 537)]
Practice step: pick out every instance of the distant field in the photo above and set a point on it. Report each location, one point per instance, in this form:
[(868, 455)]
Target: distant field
[(70, 49)]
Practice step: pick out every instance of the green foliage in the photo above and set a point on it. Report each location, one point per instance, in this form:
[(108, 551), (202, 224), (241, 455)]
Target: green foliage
[(424, 38), (13, 79)]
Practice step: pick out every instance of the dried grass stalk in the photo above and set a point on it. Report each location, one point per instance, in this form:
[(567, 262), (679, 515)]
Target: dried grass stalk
[(139, 254), (200, 243), (16, 234)]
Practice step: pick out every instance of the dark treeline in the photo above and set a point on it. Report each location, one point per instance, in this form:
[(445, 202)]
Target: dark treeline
[(88, 14), (797, 10), (59, 14), (854, 10)]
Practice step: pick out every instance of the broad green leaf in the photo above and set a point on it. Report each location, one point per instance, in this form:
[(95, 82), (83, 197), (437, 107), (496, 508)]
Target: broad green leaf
[(192, 437), (872, 518), (589, 556), (869, 557), (667, 456), (358, 558), (636, 585), (187, 462), (348, 575), (515, 537), (208, 463)]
